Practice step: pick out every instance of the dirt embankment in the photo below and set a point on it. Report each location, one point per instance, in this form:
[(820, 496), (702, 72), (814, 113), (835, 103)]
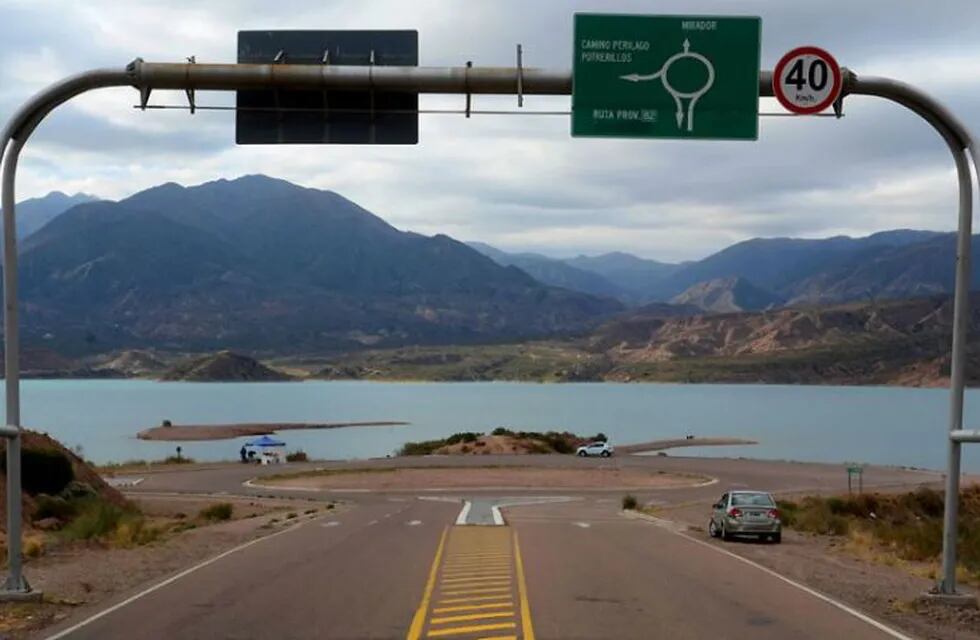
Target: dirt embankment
[(47, 466)]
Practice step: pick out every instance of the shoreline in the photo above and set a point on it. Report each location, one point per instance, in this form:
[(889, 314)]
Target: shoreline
[(213, 432), (940, 385)]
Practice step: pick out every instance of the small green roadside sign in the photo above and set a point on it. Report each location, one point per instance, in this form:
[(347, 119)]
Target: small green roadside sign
[(666, 76)]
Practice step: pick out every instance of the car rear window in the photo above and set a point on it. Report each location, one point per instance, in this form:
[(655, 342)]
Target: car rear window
[(751, 500)]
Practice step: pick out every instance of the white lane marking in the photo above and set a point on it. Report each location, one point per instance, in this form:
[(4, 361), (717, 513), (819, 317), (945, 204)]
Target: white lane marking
[(332, 523), (123, 481), (464, 513), (387, 515), (396, 500), (414, 523), (584, 525), (498, 518), (802, 587), (438, 499), (170, 580), (253, 484), (372, 522)]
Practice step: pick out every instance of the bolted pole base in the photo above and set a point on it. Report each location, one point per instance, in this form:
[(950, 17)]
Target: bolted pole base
[(959, 600), (19, 591)]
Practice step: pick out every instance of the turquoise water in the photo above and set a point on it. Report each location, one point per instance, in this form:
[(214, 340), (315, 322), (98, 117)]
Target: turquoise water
[(829, 424)]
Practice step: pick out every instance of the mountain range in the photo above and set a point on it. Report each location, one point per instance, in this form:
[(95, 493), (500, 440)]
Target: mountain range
[(764, 272), (261, 264), (34, 213)]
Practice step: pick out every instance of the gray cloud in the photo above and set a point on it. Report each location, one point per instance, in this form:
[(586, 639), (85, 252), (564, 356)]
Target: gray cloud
[(521, 183)]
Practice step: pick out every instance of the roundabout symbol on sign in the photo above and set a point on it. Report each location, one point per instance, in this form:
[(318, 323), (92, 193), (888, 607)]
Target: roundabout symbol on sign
[(677, 95), (807, 80)]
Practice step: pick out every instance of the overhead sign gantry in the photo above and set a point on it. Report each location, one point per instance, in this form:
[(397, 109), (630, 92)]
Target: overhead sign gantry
[(707, 95)]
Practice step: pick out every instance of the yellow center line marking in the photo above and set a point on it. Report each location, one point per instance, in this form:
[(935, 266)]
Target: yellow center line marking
[(477, 578), (475, 588), (471, 629), (473, 607), (469, 590), (486, 615), (474, 599), (415, 631), (477, 571), (477, 584), (528, 630)]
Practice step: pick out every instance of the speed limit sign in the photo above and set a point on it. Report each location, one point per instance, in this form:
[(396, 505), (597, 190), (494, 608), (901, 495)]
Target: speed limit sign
[(807, 80)]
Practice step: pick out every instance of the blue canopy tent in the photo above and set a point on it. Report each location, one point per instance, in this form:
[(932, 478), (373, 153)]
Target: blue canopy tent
[(265, 441), (267, 450)]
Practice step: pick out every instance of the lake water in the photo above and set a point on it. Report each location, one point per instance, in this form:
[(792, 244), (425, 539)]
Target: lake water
[(828, 424)]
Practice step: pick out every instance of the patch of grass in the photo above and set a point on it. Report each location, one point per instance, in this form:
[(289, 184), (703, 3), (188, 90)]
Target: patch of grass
[(95, 519), (887, 528), (176, 460), (629, 502), (297, 456), (309, 512), (133, 532), (424, 448), (217, 512), (291, 515), (33, 546), (53, 507)]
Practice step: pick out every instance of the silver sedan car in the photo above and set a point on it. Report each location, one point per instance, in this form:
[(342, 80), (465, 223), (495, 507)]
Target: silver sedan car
[(740, 513)]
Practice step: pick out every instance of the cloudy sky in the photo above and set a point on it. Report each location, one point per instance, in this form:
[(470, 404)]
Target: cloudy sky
[(520, 183)]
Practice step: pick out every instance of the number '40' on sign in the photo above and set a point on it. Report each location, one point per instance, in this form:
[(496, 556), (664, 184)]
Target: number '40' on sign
[(807, 80)]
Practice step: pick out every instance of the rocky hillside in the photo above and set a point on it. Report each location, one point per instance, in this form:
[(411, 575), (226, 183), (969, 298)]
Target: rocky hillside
[(224, 367), (727, 295), (904, 342)]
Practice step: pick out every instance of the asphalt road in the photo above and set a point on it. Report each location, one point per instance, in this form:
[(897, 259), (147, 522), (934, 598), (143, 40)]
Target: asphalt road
[(396, 566)]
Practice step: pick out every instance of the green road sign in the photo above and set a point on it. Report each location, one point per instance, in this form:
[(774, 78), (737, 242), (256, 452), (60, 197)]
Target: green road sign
[(666, 76)]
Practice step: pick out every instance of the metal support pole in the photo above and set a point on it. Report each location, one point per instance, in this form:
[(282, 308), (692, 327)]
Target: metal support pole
[(15, 581), (961, 313)]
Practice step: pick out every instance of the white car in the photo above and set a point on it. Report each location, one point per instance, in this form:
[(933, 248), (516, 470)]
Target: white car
[(602, 449)]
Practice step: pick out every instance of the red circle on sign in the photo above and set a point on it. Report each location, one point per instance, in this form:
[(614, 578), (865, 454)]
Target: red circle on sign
[(777, 88)]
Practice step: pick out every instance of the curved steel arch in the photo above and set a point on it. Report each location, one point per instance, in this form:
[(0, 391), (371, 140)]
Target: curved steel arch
[(146, 76)]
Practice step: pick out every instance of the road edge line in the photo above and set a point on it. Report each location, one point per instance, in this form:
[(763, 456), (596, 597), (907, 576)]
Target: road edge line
[(526, 628), (670, 526), (170, 580), (418, 621)]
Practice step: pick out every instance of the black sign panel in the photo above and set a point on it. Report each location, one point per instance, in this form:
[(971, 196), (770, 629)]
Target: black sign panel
[(287, 116)]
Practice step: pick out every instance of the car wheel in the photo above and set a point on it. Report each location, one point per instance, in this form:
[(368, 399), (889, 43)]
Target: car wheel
[(582, 454), (604, 454), (777, 538), (712, 528), (724, 533)]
